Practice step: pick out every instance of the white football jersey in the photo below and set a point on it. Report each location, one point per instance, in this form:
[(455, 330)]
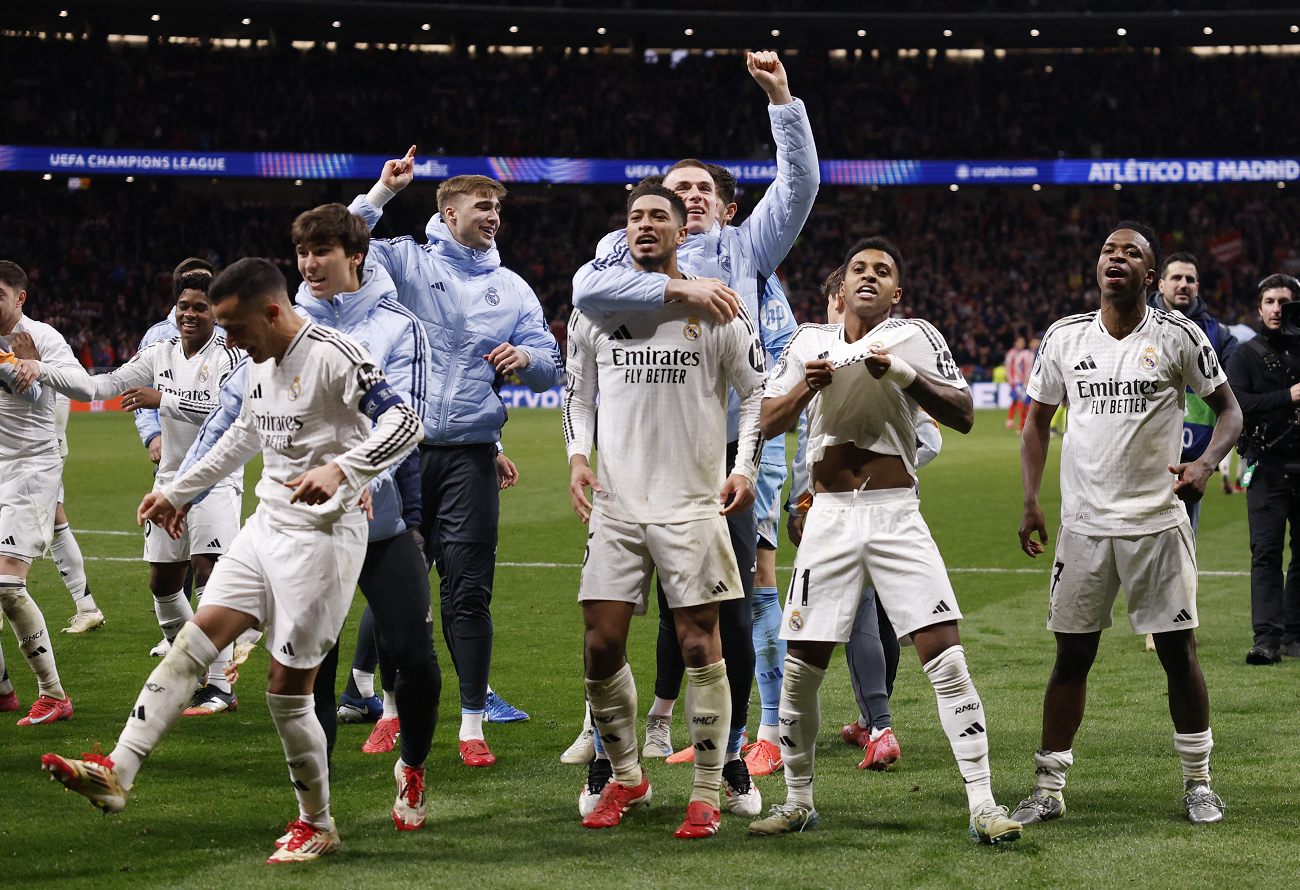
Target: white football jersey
[(1126, 400), (189, 388), (661, 430), (875, 415), (29, 427), (313, 406)]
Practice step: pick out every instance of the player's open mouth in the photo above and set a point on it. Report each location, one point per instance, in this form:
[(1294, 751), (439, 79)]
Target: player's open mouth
[(650, 240), (1116, 273), (867, 289)]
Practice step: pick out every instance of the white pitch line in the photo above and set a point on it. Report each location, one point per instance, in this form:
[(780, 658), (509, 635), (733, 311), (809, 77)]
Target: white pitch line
[(93, 531)]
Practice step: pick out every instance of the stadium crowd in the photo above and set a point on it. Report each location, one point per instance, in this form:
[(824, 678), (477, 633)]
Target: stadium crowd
[(177, 96), (984, 264)]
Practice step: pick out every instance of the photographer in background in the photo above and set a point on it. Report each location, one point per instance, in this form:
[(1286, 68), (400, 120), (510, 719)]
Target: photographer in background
[(1265, 376)]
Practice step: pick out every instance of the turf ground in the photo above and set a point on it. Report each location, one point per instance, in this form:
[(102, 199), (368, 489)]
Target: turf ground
[(215, 794)]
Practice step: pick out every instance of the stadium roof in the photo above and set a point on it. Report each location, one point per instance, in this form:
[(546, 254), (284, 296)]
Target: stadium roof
[(814, 23)]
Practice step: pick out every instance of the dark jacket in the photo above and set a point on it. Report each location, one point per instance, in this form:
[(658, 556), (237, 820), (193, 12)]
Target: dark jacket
[(1264, 394)]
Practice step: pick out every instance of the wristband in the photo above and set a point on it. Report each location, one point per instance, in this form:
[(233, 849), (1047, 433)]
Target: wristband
[(900, 372), (379, 195)]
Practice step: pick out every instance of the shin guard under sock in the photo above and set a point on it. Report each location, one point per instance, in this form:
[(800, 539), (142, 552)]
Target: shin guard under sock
[(33, 636), (801, 716), (613, 714), (961, 713), (303, 741), (708, 712)]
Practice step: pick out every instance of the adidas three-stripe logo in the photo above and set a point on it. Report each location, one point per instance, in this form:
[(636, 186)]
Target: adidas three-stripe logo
[(973, 729), (1182, 616), (621, 334), (214, 543), (287, 649), (942, 607), (10, 541), (256, 392), (1086, 365)]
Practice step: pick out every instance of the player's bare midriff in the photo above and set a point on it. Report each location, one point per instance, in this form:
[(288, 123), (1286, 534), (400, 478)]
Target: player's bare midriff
[(847, 467)]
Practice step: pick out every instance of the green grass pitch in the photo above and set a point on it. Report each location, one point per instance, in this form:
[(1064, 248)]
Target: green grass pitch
[(212, 798)]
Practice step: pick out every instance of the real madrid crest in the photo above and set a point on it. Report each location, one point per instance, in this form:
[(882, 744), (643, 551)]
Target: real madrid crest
[(492, 296), (692, 330), (1149, 358), (796, 620), (295, 389), (203, 375)]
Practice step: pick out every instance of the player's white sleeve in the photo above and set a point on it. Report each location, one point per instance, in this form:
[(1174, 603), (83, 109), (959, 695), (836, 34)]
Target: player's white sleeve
[(789, 370), (1202, 370), (73, 381), (235, 448), (744, 361), (1046, 382), (929, 440), (927, 352), (580, 394), (8, 378), (397, 428)]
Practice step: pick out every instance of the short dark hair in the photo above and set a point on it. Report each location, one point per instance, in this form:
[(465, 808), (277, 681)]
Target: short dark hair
[(724, 181), (689, 162), (330, 222), (13, 275), (649, 188), (656, 179), (1277, 279), (194, 264), (199, 281), (1180, 256), (875, 242), (832, 283), (251, 279), (1146, 232)]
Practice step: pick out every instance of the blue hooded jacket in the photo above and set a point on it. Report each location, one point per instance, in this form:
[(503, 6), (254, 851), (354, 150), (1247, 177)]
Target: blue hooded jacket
[(469, 304)]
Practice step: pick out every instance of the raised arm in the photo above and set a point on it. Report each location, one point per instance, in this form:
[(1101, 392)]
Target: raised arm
[(776, 222)]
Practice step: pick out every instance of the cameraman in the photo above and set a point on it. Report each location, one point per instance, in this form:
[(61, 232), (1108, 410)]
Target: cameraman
[(1265, 376)]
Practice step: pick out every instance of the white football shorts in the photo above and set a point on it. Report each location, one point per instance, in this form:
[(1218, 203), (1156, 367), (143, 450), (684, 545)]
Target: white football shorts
[(210, 528), (695, 562), (858, 539), (1157, 572), (29, 492), (296, 581)]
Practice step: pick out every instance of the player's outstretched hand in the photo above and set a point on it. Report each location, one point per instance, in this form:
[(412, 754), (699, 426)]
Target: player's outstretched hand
[(157, 509), (737, 494), (817, 374), (1191, 479), (141, 397), (506, 358), (794, 528), (708, 296), (399, 172), (1033, 521), (317, 485), (507, 472), (24, 346), (580, 479), (766, 69)]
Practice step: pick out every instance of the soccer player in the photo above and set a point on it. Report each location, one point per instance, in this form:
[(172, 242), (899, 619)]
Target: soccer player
[(483, 322), (732, 260), (864, 384), (30, 474), (1124, 369), (663, 378), (180, 378), (1018, 363), (63, 545), (327, 422)]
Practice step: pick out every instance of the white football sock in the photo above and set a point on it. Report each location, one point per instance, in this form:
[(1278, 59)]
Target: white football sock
[(365, 681), (708, 712), (613, 713), (5, 686), (1194, 749), (165, 694), (471, 725), (873, 733), (961, 714), (304, 745), (72, 566), (33, 637), (1050, 768), (173, 610), (770, 733), (801, 717), (390, 710), (662, 707), (217, 670)]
